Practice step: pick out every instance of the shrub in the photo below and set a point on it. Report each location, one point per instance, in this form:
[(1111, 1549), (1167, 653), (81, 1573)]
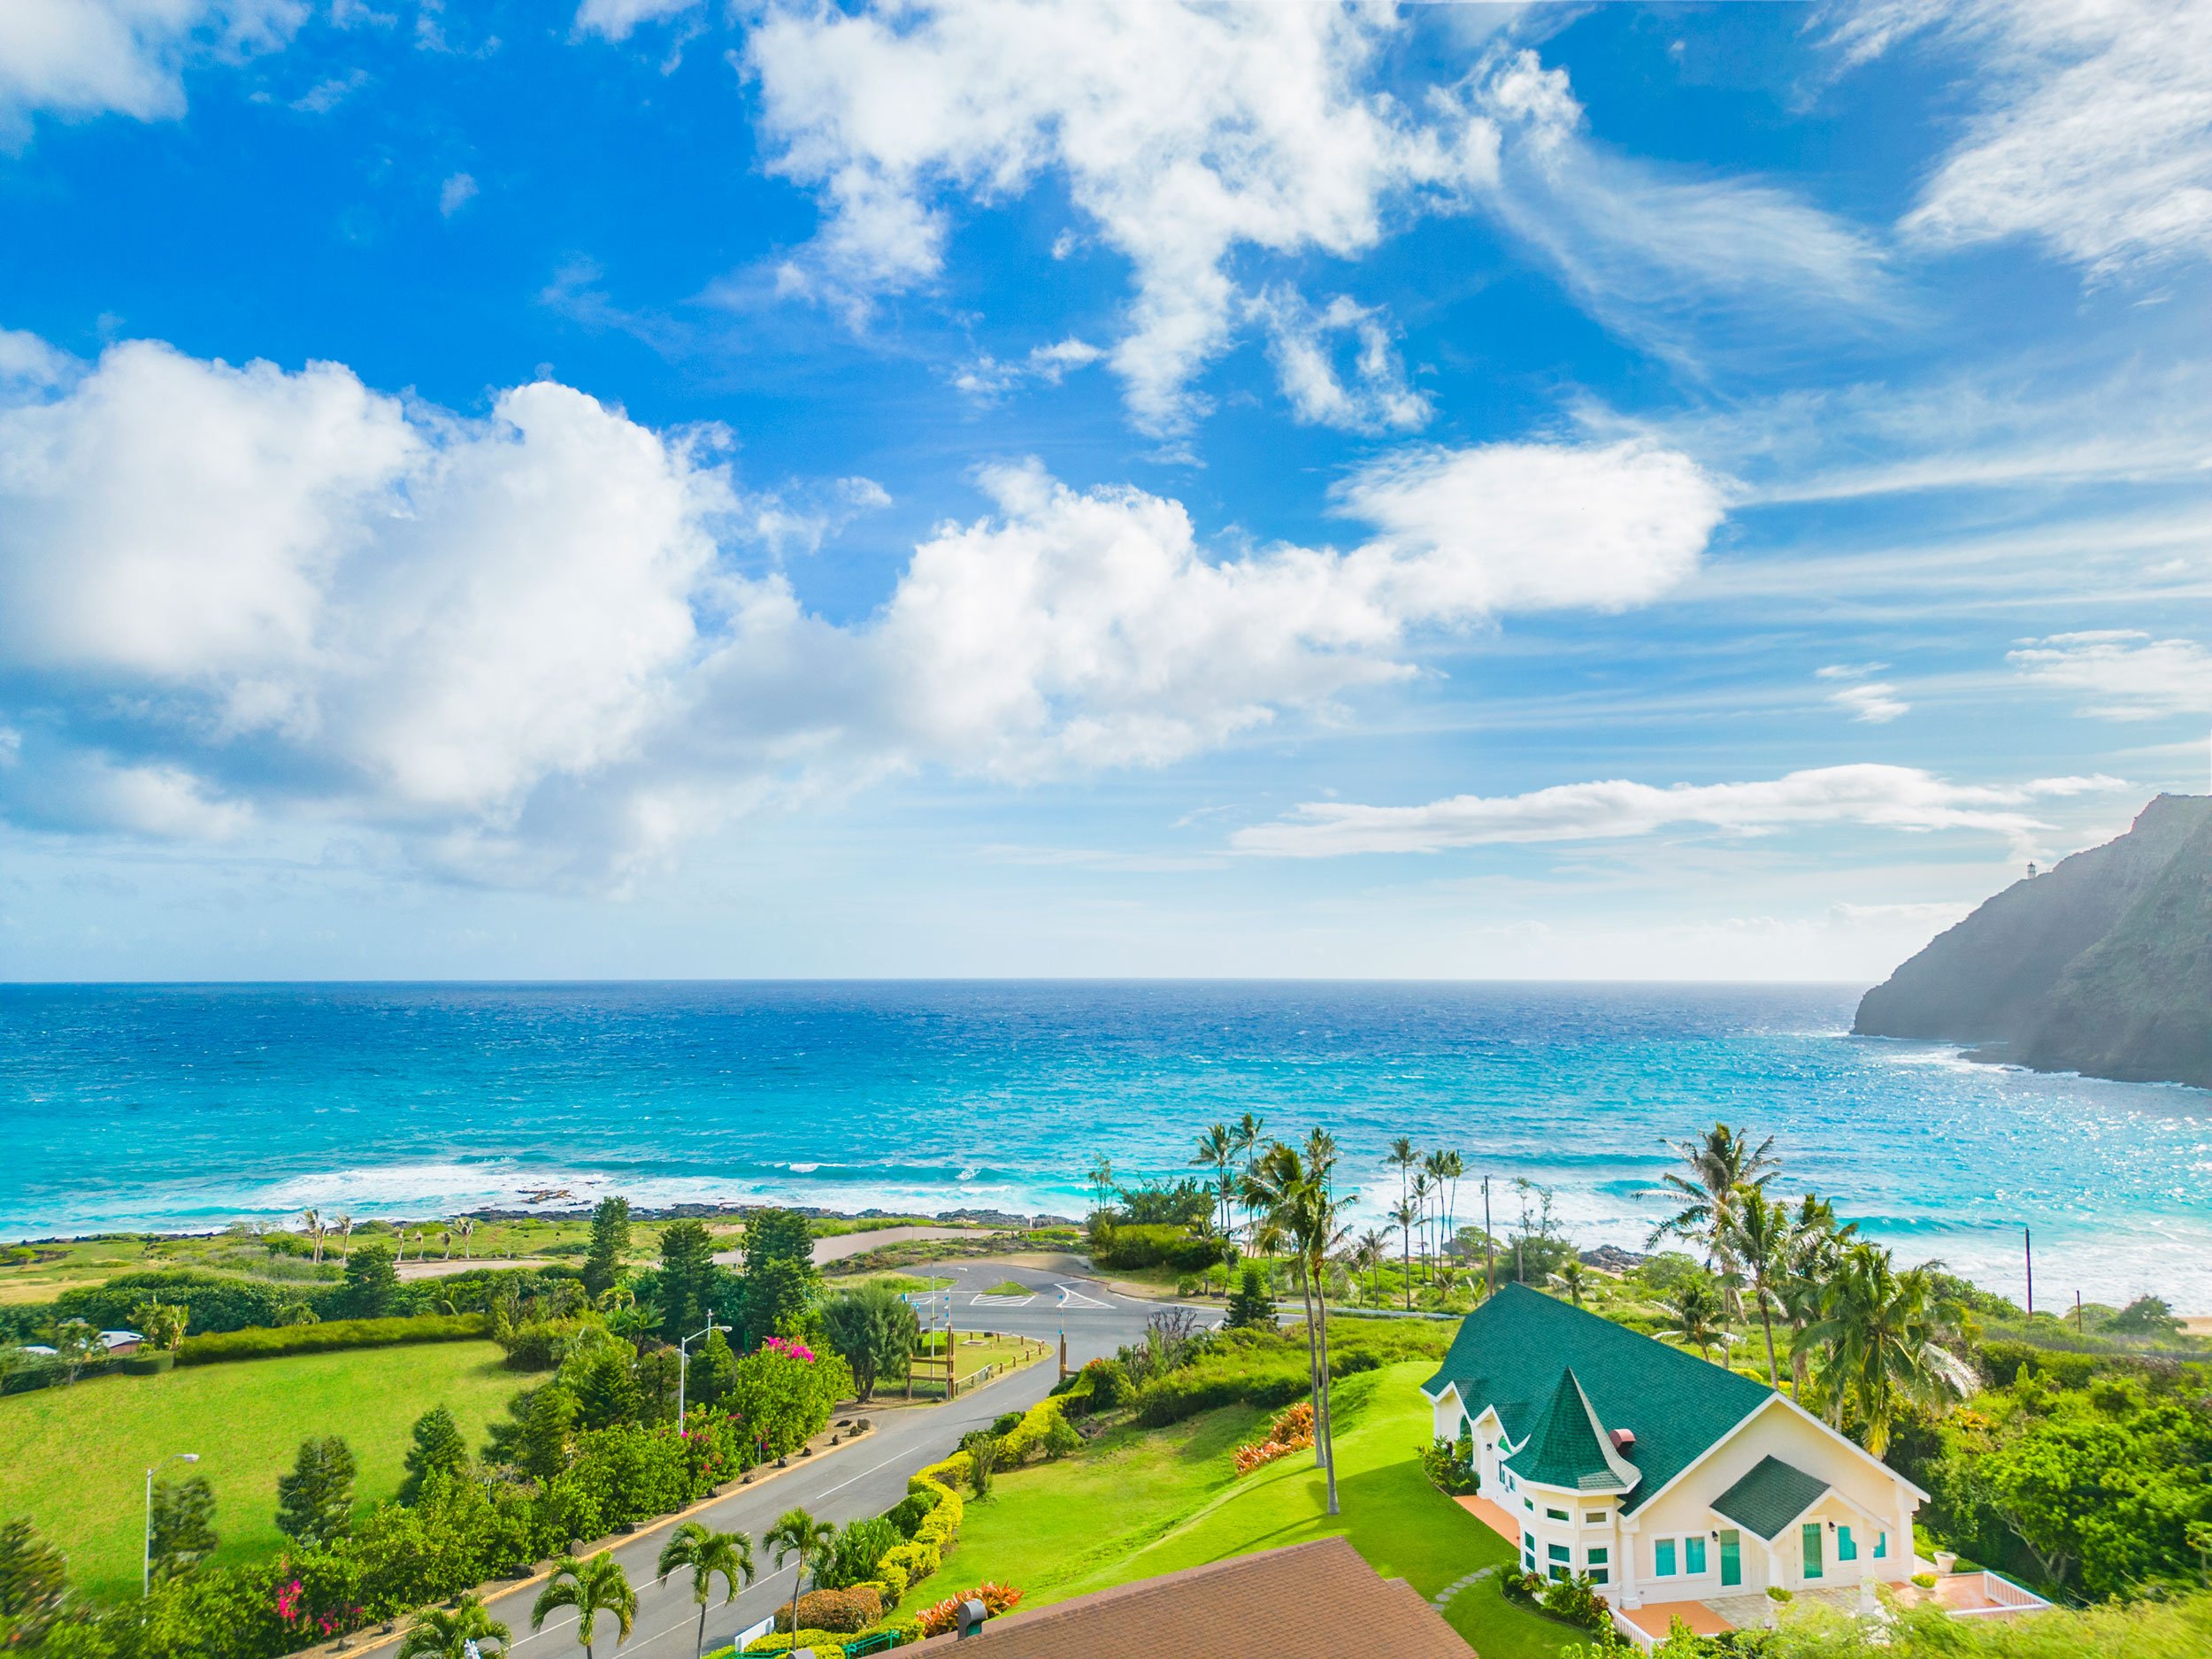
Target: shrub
[(945, 1616), (843, 1612), (337, 1333), (1577, 1600), (213, 1303), (916, 1561), (1446, 1466), (823, 1644), (1291, 1432), (1102, 1384), (1134, 1247), (855, 1554)]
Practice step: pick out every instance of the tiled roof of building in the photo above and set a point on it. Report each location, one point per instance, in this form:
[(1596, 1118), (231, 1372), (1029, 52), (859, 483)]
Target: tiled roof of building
[(1768, 1498), (1318, 1601), (1567, 1446), (1509, 1353)]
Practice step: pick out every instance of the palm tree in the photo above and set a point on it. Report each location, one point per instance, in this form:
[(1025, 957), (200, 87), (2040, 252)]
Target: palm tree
[(1217, 1150), (345, 1236), (1816, 1248), (1101, 1179), (1882, 1345), (1293, 1191), (1757, 1239), (1437, 1167), (1404, 1214), (1454, 1167), (1246, 1138), (446, 1239), (1573, 1278), (439, 1633), (592, 1587), (1694, 1316), (1721, 1161), (1373, 1251), (312, 1220), (798, 1534), (1421, 1189), (464, 1226), (707, 1551)]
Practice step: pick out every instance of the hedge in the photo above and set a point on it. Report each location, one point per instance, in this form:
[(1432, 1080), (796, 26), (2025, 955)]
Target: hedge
[(214, 1302), (1139, 1245), (267, 1343), (42, 1373)]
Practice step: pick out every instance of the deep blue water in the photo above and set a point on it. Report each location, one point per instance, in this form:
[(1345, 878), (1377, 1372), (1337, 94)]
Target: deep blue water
[(184, 1106)]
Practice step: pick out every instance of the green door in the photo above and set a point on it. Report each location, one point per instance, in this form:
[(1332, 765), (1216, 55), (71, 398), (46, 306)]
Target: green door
[(1731, 1558), (1812, 1550)]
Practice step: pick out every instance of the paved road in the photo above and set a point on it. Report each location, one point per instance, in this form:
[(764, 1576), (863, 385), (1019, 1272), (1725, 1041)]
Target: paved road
[(864, 1478)]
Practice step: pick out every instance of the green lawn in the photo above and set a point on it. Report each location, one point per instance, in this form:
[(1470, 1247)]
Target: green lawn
[(1137, 1504), (75, 1459)]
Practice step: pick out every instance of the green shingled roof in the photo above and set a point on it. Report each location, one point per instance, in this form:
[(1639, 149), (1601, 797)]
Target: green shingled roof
[(1772, 1496), (1509, 1353), (1567, 1447)]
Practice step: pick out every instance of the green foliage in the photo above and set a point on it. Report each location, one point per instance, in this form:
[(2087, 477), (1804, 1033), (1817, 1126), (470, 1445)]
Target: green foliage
[(1575, 1599), (856, 1553), (1251, 1307), (181, 1534), (549, 1429), (610, 1243), (332, 1334), (778, 1235), (843, 1612), (1447, 1468), (712, 1372), (592, 1587), (2145, 1315), (1183, 1205), (604, 1378), (466, 1629), (782, 1400), (874, 1329), (438, 1450), (33, 1574), (315, 1501), (687, 1278), (1135, 1246), (212, 1302), (371, 1290), (778, 1294)]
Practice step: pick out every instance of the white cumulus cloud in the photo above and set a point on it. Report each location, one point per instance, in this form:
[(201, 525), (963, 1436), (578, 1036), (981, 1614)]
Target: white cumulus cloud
[(85, 57), (1181, 132), (1876, 796), (526, 645)]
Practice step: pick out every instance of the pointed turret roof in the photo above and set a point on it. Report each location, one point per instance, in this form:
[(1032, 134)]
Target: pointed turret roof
[(1568, 1445)]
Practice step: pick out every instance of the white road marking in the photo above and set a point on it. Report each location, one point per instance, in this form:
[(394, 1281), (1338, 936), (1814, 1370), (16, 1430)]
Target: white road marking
[(1071, 1297), (987, 1301)]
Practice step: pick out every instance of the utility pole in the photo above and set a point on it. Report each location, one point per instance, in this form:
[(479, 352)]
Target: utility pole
[(2027, 1246), (1489, 1241), (2078, 1313)]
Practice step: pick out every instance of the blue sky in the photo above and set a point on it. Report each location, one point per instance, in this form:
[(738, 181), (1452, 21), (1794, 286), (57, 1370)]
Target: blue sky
[(666, 488)]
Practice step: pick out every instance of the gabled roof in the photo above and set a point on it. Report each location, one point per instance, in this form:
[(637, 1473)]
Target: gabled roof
[(1568, 1446), (1509, 1353), (1768, 1498)]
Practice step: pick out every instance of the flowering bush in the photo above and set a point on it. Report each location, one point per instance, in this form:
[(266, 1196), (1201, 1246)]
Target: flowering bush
[(945, 1616), (1291, 1432), (791, 1346)]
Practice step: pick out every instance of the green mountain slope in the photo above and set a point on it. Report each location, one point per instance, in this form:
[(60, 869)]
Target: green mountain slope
[(2102, 965)]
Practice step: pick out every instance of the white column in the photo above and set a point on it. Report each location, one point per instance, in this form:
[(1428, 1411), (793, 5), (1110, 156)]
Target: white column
[(1624, 1552)]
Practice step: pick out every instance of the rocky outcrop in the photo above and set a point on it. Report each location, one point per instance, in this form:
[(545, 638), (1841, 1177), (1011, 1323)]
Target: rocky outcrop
[(2101, 965)]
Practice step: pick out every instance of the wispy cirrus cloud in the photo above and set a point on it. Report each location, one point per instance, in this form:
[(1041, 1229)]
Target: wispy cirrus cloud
[(1904, 798), (2093, 127), (2121, 673)]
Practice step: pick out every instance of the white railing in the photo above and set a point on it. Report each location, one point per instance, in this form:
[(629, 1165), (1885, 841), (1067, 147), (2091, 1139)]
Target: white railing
[(2004, 1595)]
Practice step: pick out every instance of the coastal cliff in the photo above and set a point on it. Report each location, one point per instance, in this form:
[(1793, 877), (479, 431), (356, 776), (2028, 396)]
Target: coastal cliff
[(2101, 965)]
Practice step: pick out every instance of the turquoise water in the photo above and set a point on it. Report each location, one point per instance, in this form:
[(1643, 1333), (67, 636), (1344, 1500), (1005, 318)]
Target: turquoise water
[(185, 1106)]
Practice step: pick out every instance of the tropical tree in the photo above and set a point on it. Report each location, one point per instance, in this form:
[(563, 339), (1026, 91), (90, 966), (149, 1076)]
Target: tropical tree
[(1405, 1213), (705, 1553), (466, 1630), (180, 1527), (1291, 1189), (1246, 1136), (345, 1235), (1573, 1278), (464, 1226), (1436, 1168), (311, 1224), (1881, 1345), (315, 1501), (1102, 1181), (1453, 1167), (438, 1450), (1368, 1257), (1756, 1236), (592, 1587), (874, 1329), (798, 1534), (1422, 1190), (1816, 1246), (1721, 1162), (1693, 1316), (1217, 1150), (610, 1243)]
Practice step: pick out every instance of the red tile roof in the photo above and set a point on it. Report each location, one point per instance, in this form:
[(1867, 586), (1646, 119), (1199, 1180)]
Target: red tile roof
[(1318, 1601)]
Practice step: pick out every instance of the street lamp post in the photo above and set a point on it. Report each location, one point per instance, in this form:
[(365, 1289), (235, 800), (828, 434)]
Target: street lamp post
[(683, 1362), (146, 1562)]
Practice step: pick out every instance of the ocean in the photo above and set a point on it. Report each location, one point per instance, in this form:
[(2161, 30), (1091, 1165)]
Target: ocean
[(184, 1107)]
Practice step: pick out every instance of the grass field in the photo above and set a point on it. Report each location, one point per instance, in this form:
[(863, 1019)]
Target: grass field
[(1139, 1503), (75, 1459)]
